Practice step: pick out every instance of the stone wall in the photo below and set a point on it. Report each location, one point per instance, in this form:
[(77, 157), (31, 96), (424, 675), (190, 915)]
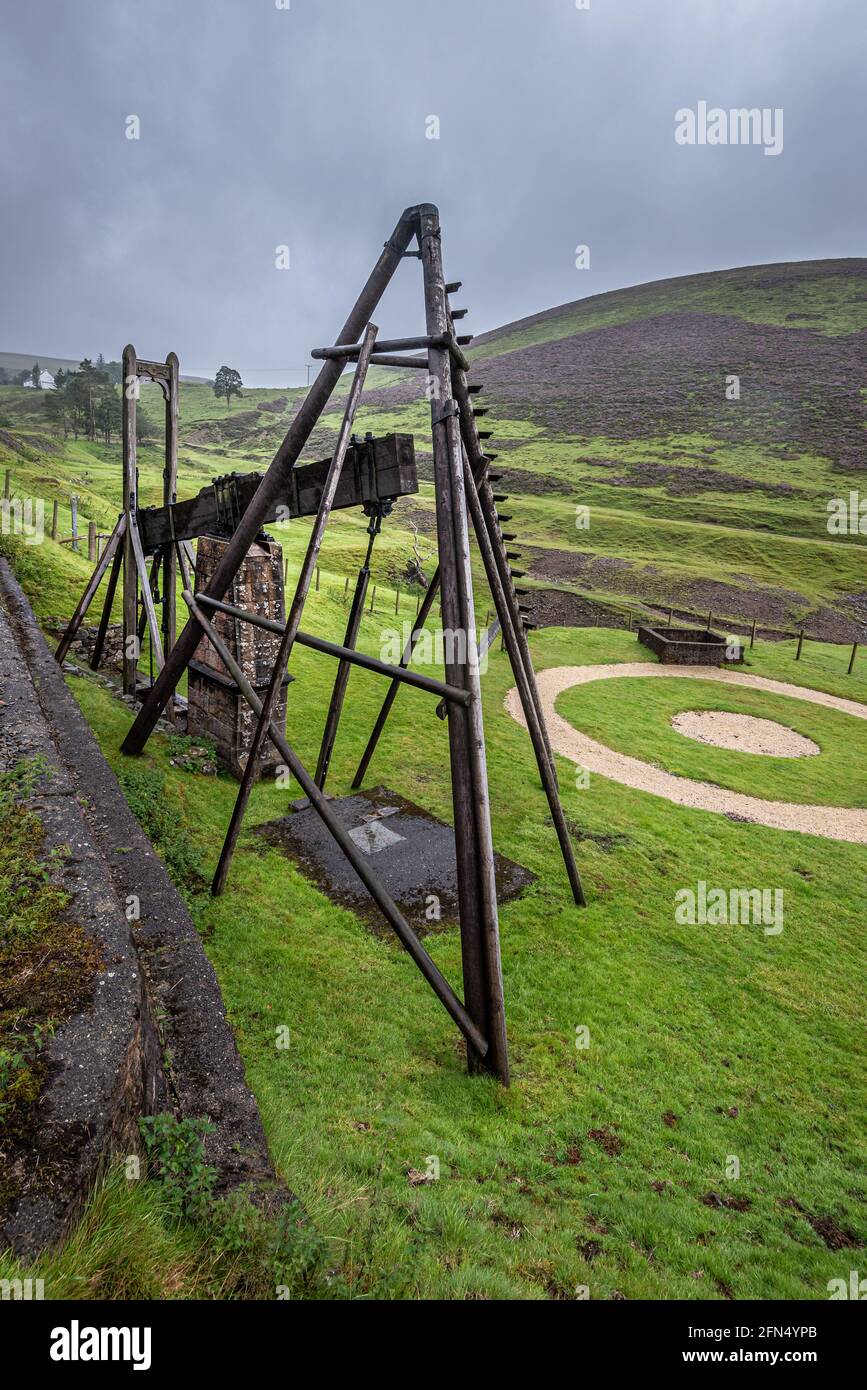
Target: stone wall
[(216, 707)]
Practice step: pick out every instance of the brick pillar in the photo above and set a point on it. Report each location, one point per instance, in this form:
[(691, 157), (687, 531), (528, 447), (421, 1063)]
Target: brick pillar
[(216, 707)]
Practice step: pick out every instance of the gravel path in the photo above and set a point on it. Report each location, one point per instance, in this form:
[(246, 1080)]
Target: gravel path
[(830, 822)]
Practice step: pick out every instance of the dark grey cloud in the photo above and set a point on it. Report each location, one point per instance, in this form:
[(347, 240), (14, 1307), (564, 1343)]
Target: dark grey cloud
[(263, 126)]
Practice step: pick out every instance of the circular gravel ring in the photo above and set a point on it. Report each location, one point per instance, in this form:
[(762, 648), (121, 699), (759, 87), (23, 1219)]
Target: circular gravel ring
[(743, 733), (829, 822)]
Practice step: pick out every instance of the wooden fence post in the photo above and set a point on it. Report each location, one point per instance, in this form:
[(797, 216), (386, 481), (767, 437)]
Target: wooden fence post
[(372, 599), (91, 542), (7, 486), (54, 517), (800, 645), (73, 501), (397, 599), (852, 658), (753, 633)]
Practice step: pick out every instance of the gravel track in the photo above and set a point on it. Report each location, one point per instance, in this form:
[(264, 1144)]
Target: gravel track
[(829, 822)]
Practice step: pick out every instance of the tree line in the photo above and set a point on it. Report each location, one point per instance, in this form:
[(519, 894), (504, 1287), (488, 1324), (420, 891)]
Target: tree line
[(87, 402)]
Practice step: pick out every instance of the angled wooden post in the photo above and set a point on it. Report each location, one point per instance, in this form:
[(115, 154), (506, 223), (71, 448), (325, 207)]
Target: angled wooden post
[(90, 590), (274, 481), (130, 388), (104, 621), (293, 620), (170, 489)]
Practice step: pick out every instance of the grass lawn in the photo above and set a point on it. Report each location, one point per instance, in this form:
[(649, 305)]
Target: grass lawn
[(634, 716), (603, 1166)]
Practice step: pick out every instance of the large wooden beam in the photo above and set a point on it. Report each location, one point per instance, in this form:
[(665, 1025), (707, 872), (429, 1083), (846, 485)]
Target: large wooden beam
[(375, 470)]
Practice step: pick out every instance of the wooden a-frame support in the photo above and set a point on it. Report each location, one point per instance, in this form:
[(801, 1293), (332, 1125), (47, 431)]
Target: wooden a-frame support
[(463, 494), (124, 550)]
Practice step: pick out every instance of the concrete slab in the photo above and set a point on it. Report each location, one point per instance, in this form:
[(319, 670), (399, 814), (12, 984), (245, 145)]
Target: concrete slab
[(412, 851)]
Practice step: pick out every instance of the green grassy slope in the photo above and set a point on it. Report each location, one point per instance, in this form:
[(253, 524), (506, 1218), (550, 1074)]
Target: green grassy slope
[(603, 1167), (617, 403), (608, 1166)]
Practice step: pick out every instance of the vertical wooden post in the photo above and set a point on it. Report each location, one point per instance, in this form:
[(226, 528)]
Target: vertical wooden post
[(91, 542), (372, 598), (317, 579), (629, 615), (670, 616), (852, 658), (7, 485), (73, 502), (753, 633), (129, 387), (55, 512), (341, 680), (397, 599), (709, 621), (170, 493), (345, 587), (800, 645), (480, 944)]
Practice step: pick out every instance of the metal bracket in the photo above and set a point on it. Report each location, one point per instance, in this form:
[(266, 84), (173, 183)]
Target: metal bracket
[(451, 410)]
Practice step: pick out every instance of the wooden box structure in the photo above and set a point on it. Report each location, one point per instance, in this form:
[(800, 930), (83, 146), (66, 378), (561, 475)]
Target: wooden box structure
[(216, 707), (691, 646)]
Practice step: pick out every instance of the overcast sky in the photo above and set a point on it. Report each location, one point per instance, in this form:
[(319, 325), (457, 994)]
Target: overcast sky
[(307, 127)]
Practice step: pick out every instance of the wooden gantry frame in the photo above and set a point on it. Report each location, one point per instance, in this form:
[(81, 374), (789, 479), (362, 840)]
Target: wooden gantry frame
[(124, 551), (464, 499)]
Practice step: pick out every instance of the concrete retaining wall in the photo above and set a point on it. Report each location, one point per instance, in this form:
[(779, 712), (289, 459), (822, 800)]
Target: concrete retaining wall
[(107, 1064)]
